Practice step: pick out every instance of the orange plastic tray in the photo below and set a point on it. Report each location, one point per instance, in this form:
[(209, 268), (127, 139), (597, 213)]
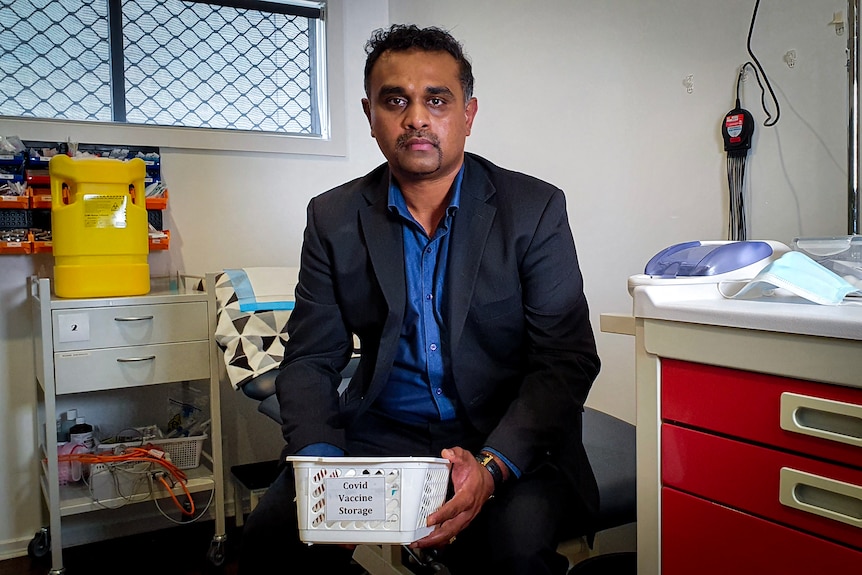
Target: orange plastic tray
[(161, 243), (40, 197), (14, 202), (158, 203), (15, 247), (40, 246)]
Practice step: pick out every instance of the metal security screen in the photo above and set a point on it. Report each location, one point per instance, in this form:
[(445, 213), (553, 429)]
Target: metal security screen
[(230, 65), (56, 60)]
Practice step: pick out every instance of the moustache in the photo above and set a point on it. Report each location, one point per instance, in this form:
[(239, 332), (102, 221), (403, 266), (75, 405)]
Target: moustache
[(418, 135)]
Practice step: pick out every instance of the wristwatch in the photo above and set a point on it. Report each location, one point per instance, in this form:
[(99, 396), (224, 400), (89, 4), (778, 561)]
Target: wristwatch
[(487, 461)]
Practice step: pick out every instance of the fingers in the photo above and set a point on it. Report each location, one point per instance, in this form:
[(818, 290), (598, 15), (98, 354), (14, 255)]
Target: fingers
[(444, 534), (437, 538), (471, 483), (449, 510), (456, 454)]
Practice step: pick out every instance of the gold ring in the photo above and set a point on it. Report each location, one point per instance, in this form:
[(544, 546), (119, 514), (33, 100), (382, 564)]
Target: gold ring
[(451, 541)]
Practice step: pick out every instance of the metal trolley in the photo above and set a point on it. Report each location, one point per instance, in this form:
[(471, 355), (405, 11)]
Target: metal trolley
[(120, 358)]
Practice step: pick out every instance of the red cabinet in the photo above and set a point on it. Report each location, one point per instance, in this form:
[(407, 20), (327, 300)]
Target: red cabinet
[(759, 473), (700, 537)]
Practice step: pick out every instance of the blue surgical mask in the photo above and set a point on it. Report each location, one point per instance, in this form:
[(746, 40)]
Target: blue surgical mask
[(800, 275)]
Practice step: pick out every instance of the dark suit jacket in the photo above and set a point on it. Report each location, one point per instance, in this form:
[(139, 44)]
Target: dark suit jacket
[(522, 350)]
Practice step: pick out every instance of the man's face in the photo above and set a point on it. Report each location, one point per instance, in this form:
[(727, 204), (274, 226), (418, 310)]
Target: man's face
[(418, 115)]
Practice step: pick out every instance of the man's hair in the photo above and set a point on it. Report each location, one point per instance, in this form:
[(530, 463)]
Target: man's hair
[(403, 37)]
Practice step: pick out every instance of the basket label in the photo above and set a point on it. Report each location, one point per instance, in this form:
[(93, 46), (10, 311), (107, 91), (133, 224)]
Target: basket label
[(355, 499)]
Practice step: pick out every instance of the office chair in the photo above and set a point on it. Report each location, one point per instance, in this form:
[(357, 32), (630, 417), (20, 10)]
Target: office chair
[(609, 443)]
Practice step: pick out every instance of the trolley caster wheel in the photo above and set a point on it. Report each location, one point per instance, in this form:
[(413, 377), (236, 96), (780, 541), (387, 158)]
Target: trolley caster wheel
[(40, 545), (216, 554)]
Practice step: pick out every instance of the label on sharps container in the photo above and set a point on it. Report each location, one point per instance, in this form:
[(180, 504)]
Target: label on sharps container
[(104, 211), (355, 499)]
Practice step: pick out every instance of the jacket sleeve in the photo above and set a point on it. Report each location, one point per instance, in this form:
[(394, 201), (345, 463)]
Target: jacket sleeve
[(559, 361), (318, 348)]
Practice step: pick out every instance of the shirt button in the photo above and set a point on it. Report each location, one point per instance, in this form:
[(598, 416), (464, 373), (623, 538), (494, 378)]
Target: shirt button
[(429, 296), (427, 250), (433, 347), (438, 391)]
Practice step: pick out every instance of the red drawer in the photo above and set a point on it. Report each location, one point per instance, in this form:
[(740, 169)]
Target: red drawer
[(814, 496), (820, 419), (703, 538)]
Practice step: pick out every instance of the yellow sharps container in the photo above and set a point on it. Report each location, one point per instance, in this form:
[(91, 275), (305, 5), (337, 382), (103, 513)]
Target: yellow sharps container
[(100, 236)]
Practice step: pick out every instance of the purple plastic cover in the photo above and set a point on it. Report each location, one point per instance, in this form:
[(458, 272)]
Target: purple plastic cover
[(696, 259)]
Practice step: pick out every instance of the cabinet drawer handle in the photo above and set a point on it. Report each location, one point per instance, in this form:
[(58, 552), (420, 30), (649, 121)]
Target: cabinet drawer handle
[(823, 418), (133, 359), (134, 318), (821, 496)]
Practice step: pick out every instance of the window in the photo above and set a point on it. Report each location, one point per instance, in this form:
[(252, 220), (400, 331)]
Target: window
[(249, 66)]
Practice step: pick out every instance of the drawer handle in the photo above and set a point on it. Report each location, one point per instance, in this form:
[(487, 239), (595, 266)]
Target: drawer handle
[(134, 359), (821, 496), (134, 318), (823, 418)]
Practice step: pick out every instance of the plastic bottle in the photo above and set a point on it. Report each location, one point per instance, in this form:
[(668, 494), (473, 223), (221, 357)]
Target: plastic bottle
[(70, 471), (67, 420), (82, 434)]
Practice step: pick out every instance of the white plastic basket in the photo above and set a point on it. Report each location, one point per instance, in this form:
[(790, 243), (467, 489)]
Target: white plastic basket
[(385, 500), (185, 452)]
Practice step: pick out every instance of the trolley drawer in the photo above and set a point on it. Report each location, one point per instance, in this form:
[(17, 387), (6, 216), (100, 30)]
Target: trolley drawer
[(121, 367), (95, 328), (702, 537), (808, 494), (803, 416)]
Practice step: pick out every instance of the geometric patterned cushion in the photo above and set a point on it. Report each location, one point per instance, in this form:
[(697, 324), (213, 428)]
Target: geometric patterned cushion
[(253, 342)]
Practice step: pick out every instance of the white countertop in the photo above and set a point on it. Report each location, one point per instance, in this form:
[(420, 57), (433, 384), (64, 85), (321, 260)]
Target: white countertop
[(703, 304)]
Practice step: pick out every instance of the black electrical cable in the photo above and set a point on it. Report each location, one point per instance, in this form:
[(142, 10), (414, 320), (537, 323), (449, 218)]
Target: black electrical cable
[(756, 76), (736, 224), (737, 131), (770, 121)]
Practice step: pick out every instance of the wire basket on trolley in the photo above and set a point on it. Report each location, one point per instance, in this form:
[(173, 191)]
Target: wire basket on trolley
[(184, 452)]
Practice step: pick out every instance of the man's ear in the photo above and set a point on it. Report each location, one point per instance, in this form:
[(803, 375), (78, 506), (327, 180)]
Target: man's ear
[(366, 107), (472, 108)]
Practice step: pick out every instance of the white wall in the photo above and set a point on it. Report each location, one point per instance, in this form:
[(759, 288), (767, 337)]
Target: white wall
[(587, 95), (590, 96)]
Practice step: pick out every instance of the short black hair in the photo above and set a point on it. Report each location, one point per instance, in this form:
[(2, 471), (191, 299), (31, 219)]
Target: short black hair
[(403, 37)]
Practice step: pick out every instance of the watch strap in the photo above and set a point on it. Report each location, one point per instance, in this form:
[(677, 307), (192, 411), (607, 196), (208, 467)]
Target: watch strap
[(487, 461)]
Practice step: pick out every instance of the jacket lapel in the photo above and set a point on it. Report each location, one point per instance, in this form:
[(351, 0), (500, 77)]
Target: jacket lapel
[(473, 220), (385, 244), (383, 237)]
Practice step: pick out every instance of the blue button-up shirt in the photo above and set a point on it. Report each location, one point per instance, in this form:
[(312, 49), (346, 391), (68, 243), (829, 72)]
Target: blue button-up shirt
[(420, 383), (420, 387)]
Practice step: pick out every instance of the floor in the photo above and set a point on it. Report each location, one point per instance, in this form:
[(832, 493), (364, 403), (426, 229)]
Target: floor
[(183, 551), (176, 551)]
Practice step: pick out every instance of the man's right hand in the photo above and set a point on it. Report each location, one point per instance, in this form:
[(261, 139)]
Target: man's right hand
[(473, 487)]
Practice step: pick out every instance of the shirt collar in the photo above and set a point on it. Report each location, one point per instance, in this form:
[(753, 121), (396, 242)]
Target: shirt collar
[(398, 205)]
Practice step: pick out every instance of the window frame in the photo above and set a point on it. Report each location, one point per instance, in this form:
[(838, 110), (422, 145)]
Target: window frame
[(333, 142)]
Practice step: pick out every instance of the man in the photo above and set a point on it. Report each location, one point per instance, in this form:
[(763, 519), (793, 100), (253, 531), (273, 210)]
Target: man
[(462, 283)]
